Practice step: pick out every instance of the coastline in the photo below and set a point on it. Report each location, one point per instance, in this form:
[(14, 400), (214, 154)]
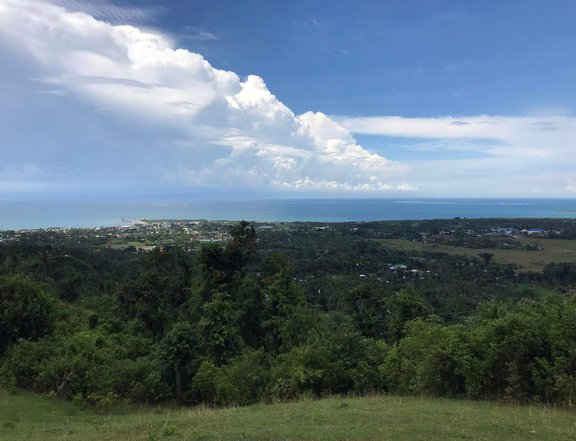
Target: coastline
[(65, 214)]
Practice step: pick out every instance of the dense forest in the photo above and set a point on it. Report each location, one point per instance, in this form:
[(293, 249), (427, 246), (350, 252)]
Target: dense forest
[(278, 313)]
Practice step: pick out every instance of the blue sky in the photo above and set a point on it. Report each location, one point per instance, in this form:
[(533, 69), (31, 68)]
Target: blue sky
[(300, 98)]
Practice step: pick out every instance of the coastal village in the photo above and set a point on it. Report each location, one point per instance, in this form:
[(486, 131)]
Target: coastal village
[(144, 235)]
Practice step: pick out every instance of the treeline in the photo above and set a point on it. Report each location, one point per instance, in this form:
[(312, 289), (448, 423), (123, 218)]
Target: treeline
[(231, 325)]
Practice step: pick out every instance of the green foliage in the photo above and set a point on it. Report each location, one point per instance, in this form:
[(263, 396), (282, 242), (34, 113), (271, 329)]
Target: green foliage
[(369, 309), (220, 334), (249, 303), (560, 273), (247, 377), (354, 358), (88, 365), (288, 320), (204, 382), (523, 354), (298, 372), (404, 306), (431, 359), (242, 381), (242, 246), (216, 268), (179, 351), (529, 352), (160, 289), (337, 359), (227, 323), (25, 311), (224, 266)]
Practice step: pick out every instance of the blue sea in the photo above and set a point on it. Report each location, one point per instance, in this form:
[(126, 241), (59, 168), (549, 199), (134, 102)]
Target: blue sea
[(26, 215)]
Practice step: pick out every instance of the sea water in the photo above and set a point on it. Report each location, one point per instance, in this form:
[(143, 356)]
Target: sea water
[(27, 214)]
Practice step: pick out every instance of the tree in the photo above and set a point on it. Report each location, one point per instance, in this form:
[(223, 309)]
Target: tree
[(179, 349), (218, 327), (225, 265), (243, 243), (25, 311), (249, 302), (288, 320), (405, 306), (486, 257), (369, 310), (160, 289), (146, 300), (216, 269)]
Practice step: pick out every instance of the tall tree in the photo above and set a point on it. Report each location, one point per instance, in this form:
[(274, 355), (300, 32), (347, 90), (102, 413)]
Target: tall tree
[(25, 311)]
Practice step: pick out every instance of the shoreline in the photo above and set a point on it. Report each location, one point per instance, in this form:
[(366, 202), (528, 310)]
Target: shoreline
[(169, 222), (46, 215)]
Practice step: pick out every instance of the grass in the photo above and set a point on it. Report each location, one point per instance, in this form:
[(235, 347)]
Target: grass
[(123, 245), (554, 251), (29, 417)]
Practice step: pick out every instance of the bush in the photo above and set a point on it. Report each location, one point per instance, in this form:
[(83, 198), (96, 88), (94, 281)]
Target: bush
[(242, 381), (89, 365), (431, 359), (337, 359)]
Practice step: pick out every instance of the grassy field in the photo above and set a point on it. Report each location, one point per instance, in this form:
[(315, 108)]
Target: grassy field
[(119, 245), (28, 417), (554, 251)]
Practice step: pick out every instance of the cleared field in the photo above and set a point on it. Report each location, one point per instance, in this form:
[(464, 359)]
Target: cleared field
[(29, 417), (123, 245), (554, 251)]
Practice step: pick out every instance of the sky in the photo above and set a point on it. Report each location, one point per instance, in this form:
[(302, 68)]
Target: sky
[(300, 98)]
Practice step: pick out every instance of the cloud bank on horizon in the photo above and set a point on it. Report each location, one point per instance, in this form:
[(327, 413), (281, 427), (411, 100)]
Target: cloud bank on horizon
[(166, 117), (503, 155)]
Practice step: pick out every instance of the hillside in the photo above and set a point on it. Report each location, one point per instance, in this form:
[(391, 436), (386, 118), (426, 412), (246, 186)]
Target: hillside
[(29, 417), (224, 313)]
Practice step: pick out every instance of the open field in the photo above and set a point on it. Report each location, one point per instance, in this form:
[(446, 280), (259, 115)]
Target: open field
[(123, 245), (29, 417), (554, 251)]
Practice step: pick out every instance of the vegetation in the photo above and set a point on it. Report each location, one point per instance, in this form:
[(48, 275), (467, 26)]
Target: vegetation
[(530, 255), (271, 314), (24, 417)]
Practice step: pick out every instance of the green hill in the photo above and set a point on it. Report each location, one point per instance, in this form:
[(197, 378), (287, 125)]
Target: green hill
[(25, 416)]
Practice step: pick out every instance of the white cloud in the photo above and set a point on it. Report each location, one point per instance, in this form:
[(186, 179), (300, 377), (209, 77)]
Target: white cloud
[(499, 155), (184, 123), (511, 130), (131, 71), (106, 10), (197, 34)]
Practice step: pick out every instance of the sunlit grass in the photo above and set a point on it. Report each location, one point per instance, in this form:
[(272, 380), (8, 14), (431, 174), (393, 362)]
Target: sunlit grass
[(29, 417)]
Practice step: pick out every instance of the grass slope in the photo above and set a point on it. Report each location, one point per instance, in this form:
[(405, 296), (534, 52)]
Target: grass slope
[(29, 417)]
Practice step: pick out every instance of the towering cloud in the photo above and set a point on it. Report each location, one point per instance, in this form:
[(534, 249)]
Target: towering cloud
[(242, 134)]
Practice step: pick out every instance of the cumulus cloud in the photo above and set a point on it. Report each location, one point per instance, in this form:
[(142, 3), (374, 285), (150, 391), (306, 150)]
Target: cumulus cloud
[(254, 139)]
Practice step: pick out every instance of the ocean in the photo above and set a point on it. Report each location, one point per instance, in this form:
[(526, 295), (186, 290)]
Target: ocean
[(27, 215)]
